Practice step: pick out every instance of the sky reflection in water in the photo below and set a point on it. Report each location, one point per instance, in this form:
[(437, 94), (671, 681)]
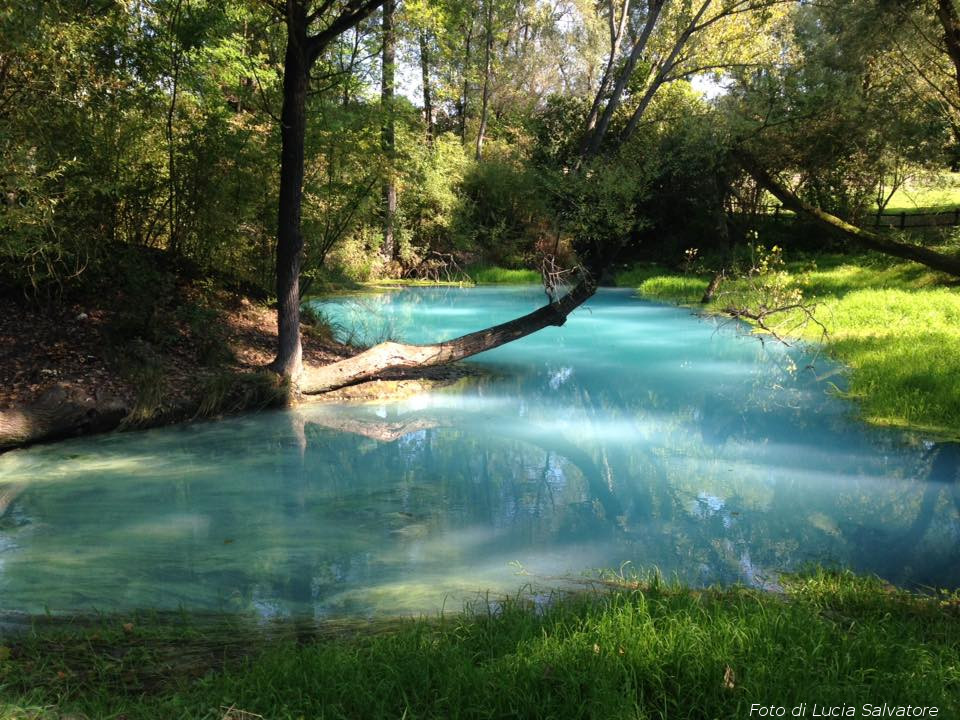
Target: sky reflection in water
[(635, 434)]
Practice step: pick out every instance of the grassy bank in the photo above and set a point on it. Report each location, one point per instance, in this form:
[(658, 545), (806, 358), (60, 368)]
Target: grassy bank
[(655, 652), (478, 274), (896, 325), (492, 275)]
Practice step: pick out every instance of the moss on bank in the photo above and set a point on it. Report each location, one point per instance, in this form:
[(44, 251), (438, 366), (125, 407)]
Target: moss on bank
[(896, 326), (654, 651)]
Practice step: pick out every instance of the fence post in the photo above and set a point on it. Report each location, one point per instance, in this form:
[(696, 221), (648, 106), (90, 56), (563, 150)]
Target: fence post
[(903, 220)]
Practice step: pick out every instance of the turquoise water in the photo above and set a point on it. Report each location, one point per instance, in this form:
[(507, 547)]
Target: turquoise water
[(637, 434)]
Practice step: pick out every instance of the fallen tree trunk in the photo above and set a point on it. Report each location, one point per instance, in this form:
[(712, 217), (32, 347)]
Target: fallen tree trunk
[(873, 241), (387, 356)]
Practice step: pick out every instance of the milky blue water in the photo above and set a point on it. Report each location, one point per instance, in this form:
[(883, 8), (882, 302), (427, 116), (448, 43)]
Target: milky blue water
[(636, 436)]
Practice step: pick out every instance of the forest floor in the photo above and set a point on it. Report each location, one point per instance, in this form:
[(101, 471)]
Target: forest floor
[(163, 348), (894, 324), (623, 649), (78, 343)]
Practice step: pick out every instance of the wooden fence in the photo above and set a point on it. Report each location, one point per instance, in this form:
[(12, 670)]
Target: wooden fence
[(941, 218)]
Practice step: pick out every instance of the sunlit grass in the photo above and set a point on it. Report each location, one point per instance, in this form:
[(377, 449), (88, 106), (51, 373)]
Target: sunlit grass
[(943, 194), (644, 651), (489, 275), (479, 274), (896, 325)]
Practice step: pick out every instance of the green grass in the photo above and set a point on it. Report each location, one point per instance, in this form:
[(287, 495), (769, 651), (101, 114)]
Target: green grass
[(895, 325), (944, 194), (481, 275), (652, 651), (489, 275), (658, 283)]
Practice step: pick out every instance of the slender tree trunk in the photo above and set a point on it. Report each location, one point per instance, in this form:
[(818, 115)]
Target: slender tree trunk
[(427, 94), (665, 68), (175, 55), (487, 67), (594, 140), (873, 241), (723, 235), (388, 132), (464, 98), (293, 121), (616, 37), (947, 13)]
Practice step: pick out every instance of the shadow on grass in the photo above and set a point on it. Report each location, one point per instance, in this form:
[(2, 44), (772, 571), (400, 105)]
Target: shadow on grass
[(636, 650)]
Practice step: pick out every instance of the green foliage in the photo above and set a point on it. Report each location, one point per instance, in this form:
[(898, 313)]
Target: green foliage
[(430, 198), (641, 649), (98, 152), (317, 323), (502, 214)]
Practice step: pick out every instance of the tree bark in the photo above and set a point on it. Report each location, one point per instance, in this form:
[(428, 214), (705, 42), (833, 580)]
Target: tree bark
[(872, 241), (616, 37), (664, 70), (594, 140), (302, 51), (427, 94), (388, 132), (293, 123), (466, 82), (173, 234), (391, 356), (487, 66), (947, 14)]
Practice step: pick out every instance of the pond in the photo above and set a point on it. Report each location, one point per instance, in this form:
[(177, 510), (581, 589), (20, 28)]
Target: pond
[(637, 436)]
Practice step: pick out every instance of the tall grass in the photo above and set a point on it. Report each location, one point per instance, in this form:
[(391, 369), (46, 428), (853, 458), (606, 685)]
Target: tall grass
[(479, 274), (651, 651), (896, 325), (489, 275)]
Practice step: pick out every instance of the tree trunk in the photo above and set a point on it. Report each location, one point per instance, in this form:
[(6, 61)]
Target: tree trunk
[(175, 56), (427, 94), (293, 121), (594, 140), (873, 241), (466, 83), (711, 292), (663, 72), (487, 63), (391, 356), (616, 36), (388, 132), (947, 13)]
